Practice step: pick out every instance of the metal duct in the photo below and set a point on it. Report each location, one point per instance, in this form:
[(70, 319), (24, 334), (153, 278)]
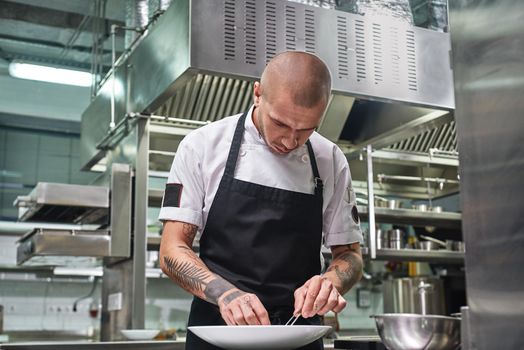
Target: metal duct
[(137, 16)]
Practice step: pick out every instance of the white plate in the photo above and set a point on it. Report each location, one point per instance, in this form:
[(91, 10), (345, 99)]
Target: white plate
[(140, 334), (260, 337)]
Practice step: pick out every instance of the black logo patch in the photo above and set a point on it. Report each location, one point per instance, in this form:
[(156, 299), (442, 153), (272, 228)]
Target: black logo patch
[(354, 214), (172, 195)]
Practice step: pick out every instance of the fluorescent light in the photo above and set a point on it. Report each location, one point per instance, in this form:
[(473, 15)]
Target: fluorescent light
[(49, 74)]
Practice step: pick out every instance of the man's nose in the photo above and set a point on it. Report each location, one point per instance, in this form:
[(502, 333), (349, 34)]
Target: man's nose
[(290, 142)]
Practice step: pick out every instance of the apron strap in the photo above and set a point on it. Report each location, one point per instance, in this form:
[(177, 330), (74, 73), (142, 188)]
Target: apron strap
[(235, 147), (319, 185)]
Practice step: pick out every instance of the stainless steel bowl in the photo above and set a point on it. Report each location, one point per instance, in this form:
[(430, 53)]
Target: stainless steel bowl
[(418, 332)]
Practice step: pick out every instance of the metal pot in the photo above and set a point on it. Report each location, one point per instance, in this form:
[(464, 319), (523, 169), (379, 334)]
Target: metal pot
[(427, 245), (396, 239), (382, 239), (418, 332), (420, 207), (394, 204), (414, 295)]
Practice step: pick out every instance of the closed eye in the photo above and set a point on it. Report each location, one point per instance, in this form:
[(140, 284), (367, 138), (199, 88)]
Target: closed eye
[(277, 123)]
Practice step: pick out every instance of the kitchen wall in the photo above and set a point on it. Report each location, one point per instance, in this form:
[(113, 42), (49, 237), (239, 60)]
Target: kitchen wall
[(29, 156), (36, 301), (40, 303)]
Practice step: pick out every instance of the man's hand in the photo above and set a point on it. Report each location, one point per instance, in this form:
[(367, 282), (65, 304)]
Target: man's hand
[(318, 296), (321, 294), (241, 308)]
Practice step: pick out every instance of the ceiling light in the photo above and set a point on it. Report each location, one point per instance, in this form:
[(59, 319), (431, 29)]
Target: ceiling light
[(49, 74)]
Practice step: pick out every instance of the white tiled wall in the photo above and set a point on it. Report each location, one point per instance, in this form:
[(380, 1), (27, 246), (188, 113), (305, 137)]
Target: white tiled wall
[(31, 303)]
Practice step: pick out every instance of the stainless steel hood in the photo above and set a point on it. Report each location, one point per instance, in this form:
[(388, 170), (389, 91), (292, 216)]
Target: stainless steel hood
[(199, 59)]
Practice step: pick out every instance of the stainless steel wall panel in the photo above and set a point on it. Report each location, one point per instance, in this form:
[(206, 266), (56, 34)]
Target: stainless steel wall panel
[(488, 61)]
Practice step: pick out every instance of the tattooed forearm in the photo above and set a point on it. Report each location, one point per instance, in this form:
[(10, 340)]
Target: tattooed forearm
[(229, 298), (188, 275), (189, 232), (216, 288), (348, 268)]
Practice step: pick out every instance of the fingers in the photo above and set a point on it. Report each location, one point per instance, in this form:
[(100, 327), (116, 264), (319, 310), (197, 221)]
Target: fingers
[(246, 309), (319, 297), (300, 296), (330, 304)]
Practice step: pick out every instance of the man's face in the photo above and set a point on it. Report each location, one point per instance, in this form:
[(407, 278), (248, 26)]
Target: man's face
[(284, 125)]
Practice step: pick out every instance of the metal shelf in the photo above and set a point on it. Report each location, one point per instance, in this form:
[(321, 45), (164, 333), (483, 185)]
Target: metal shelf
[(435, 256), (413, 217)]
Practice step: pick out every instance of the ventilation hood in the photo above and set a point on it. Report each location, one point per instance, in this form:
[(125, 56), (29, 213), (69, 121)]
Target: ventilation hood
[(199, 59)]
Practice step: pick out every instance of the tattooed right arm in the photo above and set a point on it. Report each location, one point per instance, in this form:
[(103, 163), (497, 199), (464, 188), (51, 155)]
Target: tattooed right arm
[(183, 266)]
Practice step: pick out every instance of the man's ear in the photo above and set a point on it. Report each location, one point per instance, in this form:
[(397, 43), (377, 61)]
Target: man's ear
[(257, 93)]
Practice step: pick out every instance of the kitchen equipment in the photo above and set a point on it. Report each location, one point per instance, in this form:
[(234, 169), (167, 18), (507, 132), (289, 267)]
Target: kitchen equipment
[(396, 239), (387, 203), (260, 337), (405, 295), (434, 240), (448, 244), (458, 246), (426, 245), (382, 239), (420, 207), (292, 320), (394, 204), (381, 202), (437, 209), (64, 203), (418, 332), (140, 334)]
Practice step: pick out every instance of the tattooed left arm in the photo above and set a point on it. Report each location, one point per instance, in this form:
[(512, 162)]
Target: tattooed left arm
[(345, 269)]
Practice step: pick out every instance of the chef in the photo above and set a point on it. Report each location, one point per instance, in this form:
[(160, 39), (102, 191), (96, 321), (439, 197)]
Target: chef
[(264, 191)]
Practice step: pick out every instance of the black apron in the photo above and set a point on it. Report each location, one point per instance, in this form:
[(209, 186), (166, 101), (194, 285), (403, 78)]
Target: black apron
[(264, 240)]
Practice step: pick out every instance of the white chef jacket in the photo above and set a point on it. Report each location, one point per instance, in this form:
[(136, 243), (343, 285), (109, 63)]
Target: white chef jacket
[(201, 157)]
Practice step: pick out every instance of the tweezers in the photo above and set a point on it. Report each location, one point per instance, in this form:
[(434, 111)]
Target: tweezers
[(292, 320)]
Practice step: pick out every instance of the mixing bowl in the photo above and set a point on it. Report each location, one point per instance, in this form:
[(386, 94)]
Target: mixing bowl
[(418, 332)]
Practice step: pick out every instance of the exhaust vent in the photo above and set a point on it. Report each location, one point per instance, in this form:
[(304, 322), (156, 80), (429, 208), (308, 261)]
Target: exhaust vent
[(412, 60), (360, 49), (342, 48), (229, 30), (291, 28), (443, 138), (395, 55), (250, 28), (310, 31), (378, 65), (271, 30)]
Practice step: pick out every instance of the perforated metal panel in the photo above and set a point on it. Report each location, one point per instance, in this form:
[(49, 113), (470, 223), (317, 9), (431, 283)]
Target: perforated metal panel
[(379, 57)]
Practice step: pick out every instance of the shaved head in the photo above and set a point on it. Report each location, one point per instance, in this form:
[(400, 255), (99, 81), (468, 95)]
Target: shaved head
[(303, 76)]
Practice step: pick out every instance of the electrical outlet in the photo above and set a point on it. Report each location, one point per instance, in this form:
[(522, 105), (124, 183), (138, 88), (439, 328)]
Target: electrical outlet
[(363, 298)]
